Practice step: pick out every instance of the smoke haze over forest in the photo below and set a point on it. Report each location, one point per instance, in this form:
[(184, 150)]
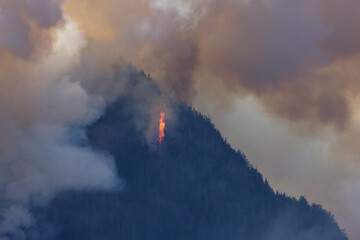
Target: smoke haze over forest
[(279, 78)]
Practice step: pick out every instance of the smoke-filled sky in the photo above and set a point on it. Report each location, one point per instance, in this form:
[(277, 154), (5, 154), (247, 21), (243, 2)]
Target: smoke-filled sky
[(280, 79)]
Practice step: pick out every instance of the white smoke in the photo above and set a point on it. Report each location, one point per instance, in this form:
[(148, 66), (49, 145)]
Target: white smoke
[(42, 115), (288, 55)]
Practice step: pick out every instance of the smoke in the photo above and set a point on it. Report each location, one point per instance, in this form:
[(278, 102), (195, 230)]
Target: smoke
[(15, 217), (42, 113), (25, 25), (296, 159), (297, 59), (273, 50)]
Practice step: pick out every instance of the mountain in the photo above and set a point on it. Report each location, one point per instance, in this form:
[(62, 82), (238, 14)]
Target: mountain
[(192, 186)]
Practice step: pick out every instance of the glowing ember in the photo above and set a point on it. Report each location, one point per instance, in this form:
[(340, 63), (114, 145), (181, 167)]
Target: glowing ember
[(161, 127)]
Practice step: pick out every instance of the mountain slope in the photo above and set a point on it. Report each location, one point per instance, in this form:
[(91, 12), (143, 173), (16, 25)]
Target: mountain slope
[(192, 186)]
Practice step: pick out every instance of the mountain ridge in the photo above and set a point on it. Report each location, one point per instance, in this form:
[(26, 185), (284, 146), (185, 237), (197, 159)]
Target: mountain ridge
[(192, 186)]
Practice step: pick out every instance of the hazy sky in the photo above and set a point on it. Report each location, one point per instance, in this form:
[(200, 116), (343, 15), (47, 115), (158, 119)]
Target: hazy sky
[(280, 79)]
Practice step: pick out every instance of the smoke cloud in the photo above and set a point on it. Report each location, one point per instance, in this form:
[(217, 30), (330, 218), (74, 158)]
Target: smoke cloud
[(25, 25), (278, 51), (296, 59), (42, 113)]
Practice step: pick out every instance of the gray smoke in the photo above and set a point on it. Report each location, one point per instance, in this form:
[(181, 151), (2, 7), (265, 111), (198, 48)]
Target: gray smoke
[(297, 59), (42, 113)]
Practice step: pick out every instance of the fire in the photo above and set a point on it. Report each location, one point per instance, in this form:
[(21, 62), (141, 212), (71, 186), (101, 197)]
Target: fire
[(161, 127)]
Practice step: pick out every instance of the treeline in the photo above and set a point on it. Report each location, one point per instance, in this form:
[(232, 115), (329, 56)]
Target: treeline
[(192, 187)]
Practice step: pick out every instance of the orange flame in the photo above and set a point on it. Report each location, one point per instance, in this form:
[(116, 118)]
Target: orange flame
[(161, 127)]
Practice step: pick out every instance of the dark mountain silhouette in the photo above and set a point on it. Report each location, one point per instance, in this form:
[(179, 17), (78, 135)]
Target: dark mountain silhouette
[(193, 186)]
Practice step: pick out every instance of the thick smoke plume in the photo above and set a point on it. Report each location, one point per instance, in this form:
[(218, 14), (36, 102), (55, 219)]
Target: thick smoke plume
[(42, 112), (298, 59), (279, 51)]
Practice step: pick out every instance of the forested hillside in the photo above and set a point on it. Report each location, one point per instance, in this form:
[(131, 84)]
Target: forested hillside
[(193, 186)]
